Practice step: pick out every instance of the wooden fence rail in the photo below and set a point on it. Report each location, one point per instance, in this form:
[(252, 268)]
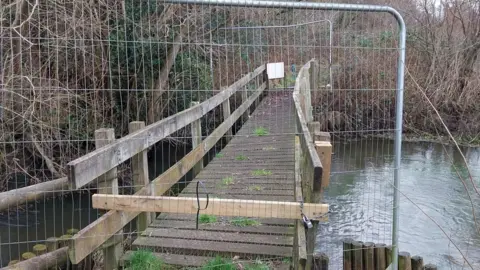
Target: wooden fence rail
[(308, 164), (103, 160)]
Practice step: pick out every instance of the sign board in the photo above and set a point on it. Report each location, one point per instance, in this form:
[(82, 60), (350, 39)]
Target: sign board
[(276, 70)]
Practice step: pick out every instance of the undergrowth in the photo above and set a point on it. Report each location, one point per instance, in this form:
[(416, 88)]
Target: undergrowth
[(244, 222), (260, 131), (145, 260), (261, 172), (206, 219)]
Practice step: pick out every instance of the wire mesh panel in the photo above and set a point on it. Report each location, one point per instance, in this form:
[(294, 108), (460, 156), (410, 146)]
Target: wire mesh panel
[(106, 97)]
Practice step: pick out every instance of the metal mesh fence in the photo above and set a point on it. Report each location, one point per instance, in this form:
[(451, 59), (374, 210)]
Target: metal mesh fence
[(71, 68)]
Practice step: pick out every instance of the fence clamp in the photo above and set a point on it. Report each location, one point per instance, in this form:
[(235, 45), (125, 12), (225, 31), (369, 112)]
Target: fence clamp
[(306, 221)]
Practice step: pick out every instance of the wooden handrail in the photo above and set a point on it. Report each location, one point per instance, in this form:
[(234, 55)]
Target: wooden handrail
[(13, 198), (309, 164), (95, 234), (87, 168), (303, 105)]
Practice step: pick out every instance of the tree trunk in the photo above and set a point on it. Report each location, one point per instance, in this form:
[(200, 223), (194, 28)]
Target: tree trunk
[(155, 111)]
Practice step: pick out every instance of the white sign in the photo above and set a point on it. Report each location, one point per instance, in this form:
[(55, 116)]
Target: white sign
[(275, 70)]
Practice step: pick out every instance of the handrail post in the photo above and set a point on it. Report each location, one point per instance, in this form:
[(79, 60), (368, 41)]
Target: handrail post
[(108, 184), (140, 176), (314, 69), (196, 127), (244, 94), (226, 111)]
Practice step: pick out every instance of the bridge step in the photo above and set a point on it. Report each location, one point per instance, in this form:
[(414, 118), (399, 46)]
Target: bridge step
[(182, 224), (225, 220), (217, 246), (245, 238)]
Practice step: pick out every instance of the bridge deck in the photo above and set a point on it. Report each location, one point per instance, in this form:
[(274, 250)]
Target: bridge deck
[(231, 175)]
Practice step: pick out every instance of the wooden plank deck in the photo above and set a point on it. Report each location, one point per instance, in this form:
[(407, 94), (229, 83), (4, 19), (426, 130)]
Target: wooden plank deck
[(173, 236)]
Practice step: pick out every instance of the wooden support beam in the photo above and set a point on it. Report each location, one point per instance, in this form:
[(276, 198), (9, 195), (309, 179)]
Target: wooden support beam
[(324, 151), (196, 128), (307, 145), (140, 176), (218, 207), (244, 95), (300, 249), (109, 185), (85, 169), (226, 114), (96, 233)]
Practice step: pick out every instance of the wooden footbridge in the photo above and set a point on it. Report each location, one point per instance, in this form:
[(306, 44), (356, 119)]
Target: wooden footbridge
[(264, 181)]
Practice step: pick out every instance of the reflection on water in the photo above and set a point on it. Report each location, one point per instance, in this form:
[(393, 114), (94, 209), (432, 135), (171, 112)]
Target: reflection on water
[(361, 193), (20, 231)]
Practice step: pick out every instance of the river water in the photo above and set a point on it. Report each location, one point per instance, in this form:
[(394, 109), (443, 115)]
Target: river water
[(361, 194), (20, 231)]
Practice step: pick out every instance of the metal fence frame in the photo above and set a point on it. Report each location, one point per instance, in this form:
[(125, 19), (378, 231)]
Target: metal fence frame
[(400, 74)]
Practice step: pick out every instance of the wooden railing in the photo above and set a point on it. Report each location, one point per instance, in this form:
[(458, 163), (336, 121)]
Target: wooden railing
[(101, 164), (312, 148)]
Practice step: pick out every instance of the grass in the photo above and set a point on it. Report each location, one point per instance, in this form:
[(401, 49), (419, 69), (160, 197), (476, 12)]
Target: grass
[(219, 155), (257, 265), (206, 219), (244, 222), (219, 263), (145, 260), (256, 188), (241, 157), (261, 172), (260, 131), (227, 180)]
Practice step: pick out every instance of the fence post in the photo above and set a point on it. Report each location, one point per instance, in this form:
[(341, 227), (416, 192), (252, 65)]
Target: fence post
[(417, 263), (196, 139), (306, 87), (357, 254), (388, 254), (380, 257), (265, 79), (244, 93), (140, 177), (368, 256), (314, 69), (347, 254), (108, 184), (226, 114), (320, 261), (404, 261)]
